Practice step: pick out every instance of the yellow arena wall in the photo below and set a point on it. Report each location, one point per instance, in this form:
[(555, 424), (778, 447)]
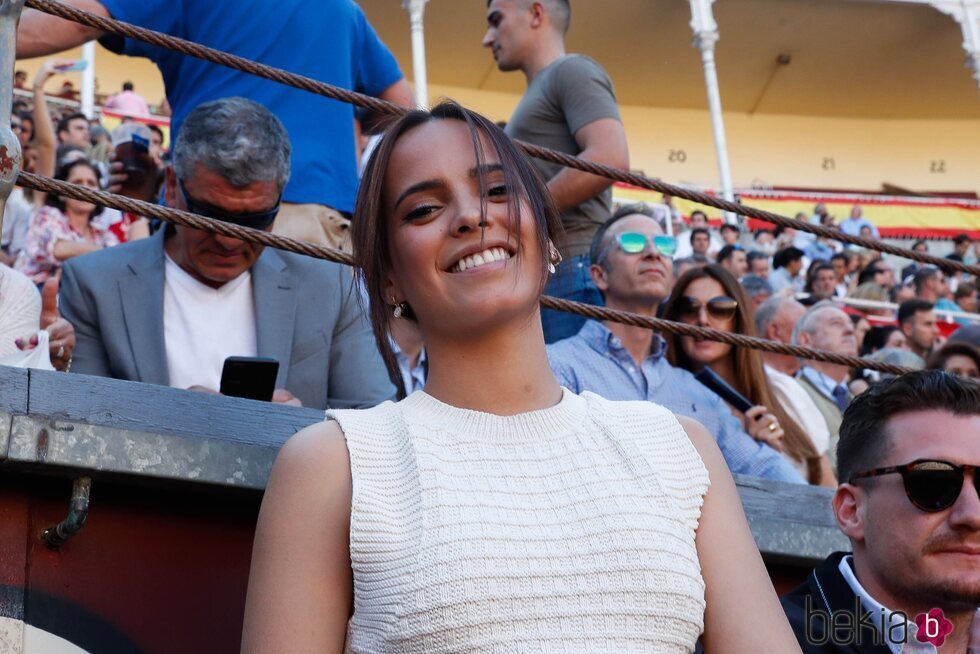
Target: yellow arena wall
[(765, 150)]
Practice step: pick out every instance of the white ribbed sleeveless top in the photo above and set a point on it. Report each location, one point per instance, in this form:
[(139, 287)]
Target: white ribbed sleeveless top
[(569, 529)]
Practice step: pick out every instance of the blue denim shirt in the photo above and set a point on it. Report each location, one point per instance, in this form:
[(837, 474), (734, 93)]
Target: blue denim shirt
[(595, 360)]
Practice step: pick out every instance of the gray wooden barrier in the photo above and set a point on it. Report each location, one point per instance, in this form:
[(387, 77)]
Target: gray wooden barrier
[(67, 425)]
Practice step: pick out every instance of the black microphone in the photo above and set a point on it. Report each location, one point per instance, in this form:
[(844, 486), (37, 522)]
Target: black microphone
[(710, 378)]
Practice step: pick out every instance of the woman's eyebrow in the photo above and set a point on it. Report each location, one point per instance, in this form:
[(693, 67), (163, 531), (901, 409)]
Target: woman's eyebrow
[(430, 184), (427, 185), (486, 169)]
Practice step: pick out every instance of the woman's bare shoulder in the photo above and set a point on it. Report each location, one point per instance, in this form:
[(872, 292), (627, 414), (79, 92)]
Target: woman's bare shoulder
[(316, 454), (703, 442)]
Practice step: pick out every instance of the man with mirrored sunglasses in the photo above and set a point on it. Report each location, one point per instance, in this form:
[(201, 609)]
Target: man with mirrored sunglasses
[(632, 268), (171, 308), (909, 502)]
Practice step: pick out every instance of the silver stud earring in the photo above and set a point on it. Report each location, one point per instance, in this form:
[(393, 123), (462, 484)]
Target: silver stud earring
[(399, 308), (554, 257)]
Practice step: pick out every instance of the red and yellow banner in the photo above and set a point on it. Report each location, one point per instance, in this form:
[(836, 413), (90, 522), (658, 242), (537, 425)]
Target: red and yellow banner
[(896, 217)]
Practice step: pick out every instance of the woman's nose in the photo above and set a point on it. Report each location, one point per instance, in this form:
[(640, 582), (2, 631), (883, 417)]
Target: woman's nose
[(470, 216)]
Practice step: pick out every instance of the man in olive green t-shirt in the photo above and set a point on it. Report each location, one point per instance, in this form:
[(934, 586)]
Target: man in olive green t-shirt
[(569, 106)]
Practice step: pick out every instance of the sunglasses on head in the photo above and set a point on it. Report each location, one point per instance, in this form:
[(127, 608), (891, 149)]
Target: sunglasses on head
[(719, 308), (255, 219), (930, 485), (636, 242)]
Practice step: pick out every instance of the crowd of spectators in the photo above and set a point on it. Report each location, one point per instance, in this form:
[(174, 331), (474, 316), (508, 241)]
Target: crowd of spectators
[(169, 305), (725, 278)]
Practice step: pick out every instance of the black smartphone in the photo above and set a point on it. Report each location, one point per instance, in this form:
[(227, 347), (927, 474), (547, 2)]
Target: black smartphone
[(710, 378), (249, 377)]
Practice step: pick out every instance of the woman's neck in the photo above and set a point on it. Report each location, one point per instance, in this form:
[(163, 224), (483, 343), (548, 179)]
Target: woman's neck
[(504, 372), (724, 368), (78, 220)]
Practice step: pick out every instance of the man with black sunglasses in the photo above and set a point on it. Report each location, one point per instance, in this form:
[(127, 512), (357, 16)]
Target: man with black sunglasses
[(909, 501), (171, 308)]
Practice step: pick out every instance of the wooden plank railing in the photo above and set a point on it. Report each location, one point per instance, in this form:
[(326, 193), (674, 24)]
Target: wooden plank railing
[(71, 425)]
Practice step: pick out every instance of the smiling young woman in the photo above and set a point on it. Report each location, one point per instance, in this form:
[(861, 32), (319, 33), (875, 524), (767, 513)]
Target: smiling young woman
[(495, 510)]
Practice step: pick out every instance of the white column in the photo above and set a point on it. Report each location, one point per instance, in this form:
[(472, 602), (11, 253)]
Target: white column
[(967, 14), (10, 153), (705, 37), (416, 11), (88, 80)]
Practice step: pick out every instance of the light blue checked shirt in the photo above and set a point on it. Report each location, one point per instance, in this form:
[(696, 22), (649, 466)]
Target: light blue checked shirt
[(595, 360)]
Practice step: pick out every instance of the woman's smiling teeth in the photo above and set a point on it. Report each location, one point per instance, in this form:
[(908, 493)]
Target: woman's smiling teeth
[(487, 256)]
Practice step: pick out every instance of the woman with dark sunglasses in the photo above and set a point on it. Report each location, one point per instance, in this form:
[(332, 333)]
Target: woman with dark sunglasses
[(710, 297), (493, 511)]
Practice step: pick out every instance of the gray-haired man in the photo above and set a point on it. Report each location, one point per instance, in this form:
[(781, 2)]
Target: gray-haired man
[(825, 327), (169, 309)]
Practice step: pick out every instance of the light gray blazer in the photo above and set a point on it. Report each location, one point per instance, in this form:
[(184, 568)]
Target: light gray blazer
[(307, 317)]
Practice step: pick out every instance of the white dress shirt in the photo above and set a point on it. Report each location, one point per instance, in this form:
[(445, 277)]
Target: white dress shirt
[(911, 645)]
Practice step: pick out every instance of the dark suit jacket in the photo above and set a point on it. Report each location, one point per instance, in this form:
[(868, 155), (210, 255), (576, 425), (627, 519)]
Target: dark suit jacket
[(307, 316), (826, 591)]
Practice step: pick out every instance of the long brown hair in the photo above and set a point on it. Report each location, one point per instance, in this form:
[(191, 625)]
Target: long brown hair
[(369, 228), (750, 377)]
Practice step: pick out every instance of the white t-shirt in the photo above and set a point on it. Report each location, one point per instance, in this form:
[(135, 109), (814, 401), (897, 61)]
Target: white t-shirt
[(802, 409), (202, 326)]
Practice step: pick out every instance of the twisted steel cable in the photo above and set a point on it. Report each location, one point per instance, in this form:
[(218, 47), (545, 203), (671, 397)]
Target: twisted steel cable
[(190, 48), (187, 219)]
